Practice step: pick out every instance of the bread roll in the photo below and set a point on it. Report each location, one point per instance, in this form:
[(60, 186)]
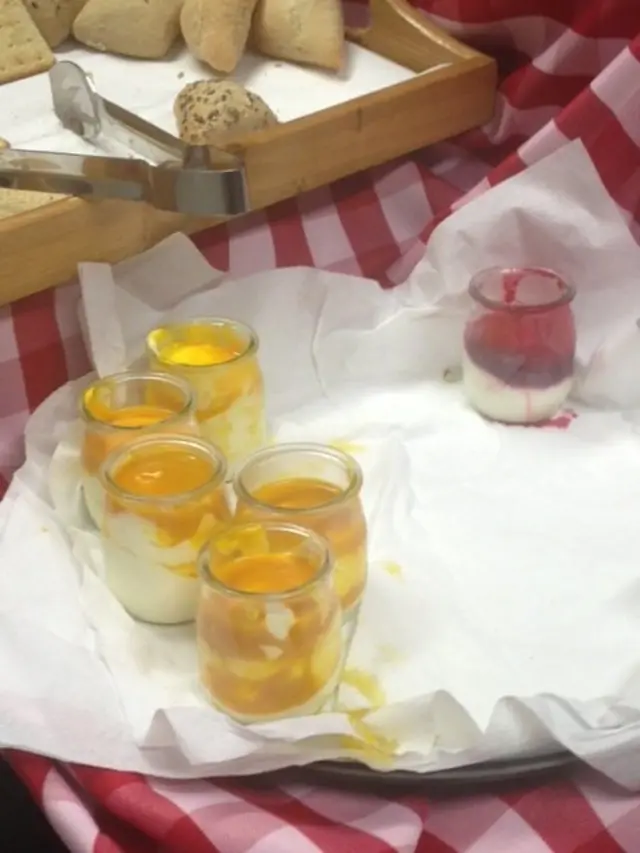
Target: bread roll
[(310, 32), (54, 18), (145, 29), (216, 31), (212, 112)]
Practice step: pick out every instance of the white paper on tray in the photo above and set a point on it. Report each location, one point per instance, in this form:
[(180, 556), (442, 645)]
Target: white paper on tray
[(148, 89), (503, 608)]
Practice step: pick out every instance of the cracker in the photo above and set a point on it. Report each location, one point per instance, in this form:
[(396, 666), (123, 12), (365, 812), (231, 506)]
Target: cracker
[(13, 202), (23, 50)]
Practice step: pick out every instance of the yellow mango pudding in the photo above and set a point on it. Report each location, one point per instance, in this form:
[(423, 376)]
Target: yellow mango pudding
[(219, 359), (120, 408), (269, 626), (318, 487), (164, 500)]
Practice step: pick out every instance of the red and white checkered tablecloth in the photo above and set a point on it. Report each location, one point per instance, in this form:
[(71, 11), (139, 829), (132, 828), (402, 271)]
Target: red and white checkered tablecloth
[(569, 68)]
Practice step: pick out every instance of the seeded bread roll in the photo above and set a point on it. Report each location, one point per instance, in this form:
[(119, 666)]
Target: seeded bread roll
[(212, 112), (216, 31), (310, 32), (145, 29), (54, 18)]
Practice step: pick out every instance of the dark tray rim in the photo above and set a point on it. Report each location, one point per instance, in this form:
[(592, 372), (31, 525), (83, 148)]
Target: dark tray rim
[(352, 775)]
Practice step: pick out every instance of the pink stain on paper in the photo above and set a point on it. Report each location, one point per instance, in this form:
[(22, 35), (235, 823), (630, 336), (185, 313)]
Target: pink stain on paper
[(560, 421)]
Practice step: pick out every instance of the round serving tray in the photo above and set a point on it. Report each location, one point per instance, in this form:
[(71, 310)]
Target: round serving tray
[(347, 774)]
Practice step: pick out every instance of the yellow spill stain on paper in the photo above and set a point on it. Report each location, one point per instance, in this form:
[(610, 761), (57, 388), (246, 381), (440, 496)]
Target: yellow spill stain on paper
[(389, 654), (393, 569), (366, 741), (366, 684), (346, 446)]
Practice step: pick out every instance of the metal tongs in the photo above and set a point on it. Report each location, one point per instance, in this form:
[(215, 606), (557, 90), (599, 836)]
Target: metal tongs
[(166, 173)]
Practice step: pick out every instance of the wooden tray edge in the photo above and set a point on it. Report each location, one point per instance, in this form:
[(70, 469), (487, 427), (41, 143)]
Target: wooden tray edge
[(281, 162)]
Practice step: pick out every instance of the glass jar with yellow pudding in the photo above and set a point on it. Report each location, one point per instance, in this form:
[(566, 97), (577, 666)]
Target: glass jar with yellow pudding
[(219, 359), (269, 626), (165, 499), (318, 487), (122, 407)]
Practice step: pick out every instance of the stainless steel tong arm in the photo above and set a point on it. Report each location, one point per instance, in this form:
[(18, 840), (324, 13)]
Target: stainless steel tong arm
[(167, 173)]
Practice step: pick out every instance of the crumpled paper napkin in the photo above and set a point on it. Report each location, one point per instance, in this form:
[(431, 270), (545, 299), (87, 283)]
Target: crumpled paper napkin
[(502, 612)]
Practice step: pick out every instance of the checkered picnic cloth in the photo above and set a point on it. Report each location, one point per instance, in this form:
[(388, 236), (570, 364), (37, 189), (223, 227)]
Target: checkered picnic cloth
[(569, 68)]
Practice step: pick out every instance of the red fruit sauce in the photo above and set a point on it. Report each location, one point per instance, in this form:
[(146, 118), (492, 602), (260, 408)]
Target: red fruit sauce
[(522, 345)]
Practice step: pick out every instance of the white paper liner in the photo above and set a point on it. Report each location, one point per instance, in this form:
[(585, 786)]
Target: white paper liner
[(513, 620)]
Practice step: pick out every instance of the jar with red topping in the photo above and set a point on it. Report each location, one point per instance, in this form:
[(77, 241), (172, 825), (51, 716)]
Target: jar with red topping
[(519, 344)]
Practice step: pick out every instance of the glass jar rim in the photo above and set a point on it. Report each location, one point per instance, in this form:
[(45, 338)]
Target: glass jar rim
[(324, 570), (253, 341), (565, 296), (205, 448), (126, 376), (351, 466)]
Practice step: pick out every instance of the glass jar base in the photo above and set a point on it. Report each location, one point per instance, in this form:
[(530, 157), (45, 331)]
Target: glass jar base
[(503, 403), (322, 702), (149, 592)]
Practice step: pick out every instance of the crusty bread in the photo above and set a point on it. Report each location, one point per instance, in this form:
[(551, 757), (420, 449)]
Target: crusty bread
[(216, 31), (54, 18), (213, 112), (145, 29), (307, 31)]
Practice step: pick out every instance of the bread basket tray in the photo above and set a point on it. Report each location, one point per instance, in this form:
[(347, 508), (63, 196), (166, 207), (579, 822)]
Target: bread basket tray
[(444, 89)]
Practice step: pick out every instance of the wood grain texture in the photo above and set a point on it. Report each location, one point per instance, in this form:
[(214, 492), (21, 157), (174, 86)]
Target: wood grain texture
[(41, 248)]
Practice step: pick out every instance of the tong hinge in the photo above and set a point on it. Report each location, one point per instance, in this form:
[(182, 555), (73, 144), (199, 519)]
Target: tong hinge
[(167, 173)]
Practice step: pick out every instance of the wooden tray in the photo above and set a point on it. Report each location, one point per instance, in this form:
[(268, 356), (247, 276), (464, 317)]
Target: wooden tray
[(41, 247)]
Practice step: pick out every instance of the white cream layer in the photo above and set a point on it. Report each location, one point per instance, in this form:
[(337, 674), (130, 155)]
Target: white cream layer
[(94, 498), (500, 402), (239, 431), (136, 572)]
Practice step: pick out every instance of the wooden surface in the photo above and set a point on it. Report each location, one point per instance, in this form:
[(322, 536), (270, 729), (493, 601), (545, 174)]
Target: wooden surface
[(42, 247)]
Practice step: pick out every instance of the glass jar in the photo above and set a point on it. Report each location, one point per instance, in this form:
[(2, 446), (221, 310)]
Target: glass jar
[(122, 407), (269, 622), (165, 499), (317, 487), (219, 359), (519, 344)]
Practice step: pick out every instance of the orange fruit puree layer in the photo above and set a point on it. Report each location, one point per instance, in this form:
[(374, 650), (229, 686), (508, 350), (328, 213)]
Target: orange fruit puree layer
[(99, 443), (198, 355), (298, 493), (163, 473), (266, 573), (138, 416)]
